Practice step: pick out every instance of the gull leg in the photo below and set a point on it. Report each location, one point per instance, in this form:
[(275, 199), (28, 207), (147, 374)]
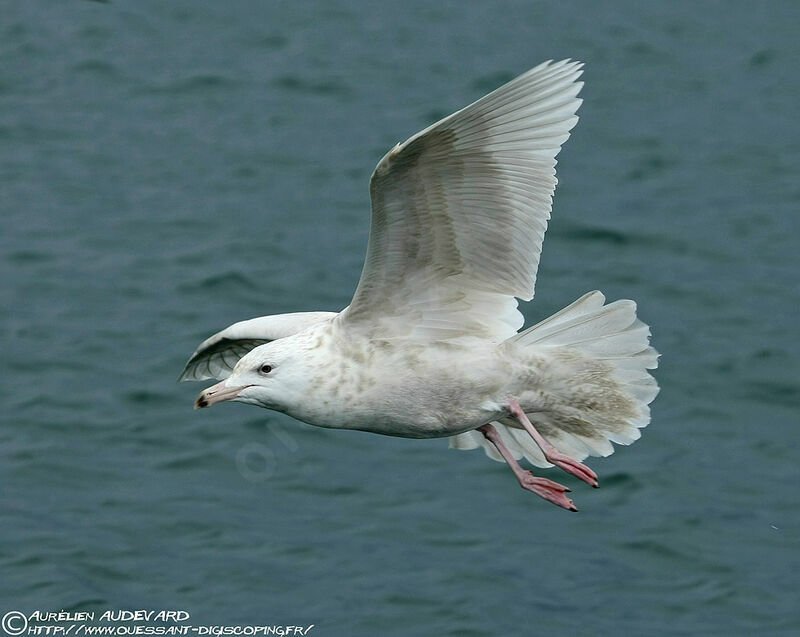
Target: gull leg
[(577, 469), (544, 488)]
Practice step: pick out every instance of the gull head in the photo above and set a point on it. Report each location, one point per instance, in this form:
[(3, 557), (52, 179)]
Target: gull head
[(269, 376)]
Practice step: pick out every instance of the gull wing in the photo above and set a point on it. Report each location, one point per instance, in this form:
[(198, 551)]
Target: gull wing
[(216, 356), (459, 212)]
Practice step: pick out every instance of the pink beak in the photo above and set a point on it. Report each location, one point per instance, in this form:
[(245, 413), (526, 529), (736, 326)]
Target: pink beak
[(217, 394)]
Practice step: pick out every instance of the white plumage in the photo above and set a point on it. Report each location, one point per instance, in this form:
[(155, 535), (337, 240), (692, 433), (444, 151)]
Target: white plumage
[(429, 346)]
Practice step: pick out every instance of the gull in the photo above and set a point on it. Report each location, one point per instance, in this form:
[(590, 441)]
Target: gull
[(430, 345)]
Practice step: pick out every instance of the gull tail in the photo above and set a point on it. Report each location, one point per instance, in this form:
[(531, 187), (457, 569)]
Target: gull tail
[(593, 388)]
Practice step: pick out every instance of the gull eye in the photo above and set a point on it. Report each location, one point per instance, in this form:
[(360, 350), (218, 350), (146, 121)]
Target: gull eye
[(265, 369)]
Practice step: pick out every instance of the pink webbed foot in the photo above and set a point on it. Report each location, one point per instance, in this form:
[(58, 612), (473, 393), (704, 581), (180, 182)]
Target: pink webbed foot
[(547, 489), (544, 488), (573, 467), (561, 460)]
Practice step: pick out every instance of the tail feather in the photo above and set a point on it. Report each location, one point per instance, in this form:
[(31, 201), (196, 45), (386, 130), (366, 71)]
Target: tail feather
[(588, 302), (585, 321), (602, 390)]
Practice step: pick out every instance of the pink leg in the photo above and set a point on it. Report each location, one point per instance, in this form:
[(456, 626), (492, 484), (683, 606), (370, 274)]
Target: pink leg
[(578, 469), (547, 489)]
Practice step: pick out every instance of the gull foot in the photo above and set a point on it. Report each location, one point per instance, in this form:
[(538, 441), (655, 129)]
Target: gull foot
[(544, 488), (573, 467), (561, 460), (547, 489)]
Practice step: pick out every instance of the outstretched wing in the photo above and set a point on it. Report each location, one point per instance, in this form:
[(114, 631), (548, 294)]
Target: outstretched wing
[(459, 212), (216, 356)]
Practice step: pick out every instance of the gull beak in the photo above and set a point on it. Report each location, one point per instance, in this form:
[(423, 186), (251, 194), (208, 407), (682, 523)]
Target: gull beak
[(217, 394)]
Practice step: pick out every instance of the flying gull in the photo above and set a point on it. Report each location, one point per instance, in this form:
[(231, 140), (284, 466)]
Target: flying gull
[(430, 345)]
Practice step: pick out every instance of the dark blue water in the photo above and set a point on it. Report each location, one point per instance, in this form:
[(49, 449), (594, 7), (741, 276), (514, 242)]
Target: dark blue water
[(168, 168)]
